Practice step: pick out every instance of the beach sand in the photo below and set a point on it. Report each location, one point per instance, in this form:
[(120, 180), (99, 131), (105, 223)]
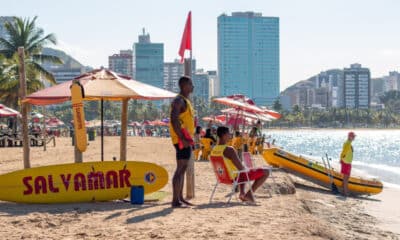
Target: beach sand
[(296, 210)]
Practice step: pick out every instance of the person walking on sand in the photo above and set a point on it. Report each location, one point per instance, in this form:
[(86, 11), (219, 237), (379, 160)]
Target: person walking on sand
[(346, 157), (182, 128), (232, 162)]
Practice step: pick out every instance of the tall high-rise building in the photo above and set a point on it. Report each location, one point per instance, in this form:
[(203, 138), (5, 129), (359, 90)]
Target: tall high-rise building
[(172, 72), (248, 56), (148, 61), (357, 87), (3, 20), (201, 84), (122, 62)]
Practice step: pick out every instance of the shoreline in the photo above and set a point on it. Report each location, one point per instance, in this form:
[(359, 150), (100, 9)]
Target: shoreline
[(385, 208)]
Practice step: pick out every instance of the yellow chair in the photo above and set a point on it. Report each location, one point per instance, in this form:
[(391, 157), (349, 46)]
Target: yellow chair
[(206, 144)]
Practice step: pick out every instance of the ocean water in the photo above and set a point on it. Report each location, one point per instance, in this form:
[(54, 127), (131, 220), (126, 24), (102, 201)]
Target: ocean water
[(376, 152)]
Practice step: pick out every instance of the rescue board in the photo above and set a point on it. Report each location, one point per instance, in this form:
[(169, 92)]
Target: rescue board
[(78, 112), (314, 171), (81, 182)]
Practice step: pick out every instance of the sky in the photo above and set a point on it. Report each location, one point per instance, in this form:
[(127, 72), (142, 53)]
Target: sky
[(315, 35)]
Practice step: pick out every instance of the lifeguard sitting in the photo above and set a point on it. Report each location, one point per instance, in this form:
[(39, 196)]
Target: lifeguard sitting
[(232, 163)]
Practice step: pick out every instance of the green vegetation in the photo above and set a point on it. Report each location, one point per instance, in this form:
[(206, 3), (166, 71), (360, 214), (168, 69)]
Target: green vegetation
[(389, 117), (24, 33)]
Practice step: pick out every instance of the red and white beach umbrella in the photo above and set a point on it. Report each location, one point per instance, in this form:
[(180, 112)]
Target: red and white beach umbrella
[(8, 112), (239, 102)]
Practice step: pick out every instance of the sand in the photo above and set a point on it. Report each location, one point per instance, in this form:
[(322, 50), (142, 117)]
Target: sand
[(296, 210)]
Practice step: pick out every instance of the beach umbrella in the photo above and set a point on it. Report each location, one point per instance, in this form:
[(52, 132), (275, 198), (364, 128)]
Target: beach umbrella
[(159, 123), (8, 112), (259, 116), (220, 119), (240, 103), (102, 84), (54, 122), (134, 124)]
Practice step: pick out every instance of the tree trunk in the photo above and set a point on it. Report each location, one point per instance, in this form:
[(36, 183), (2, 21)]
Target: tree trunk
[(24, 107)]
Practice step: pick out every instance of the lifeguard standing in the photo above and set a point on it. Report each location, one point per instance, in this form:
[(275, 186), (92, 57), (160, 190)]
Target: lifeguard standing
[(182, 128), (346, 157)]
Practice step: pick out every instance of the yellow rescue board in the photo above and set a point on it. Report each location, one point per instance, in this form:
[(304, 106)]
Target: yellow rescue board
[(79, 116), (81, 182), (316, 171)]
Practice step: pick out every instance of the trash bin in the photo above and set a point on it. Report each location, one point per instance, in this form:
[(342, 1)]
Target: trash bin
[(91, 134), (137, 195)]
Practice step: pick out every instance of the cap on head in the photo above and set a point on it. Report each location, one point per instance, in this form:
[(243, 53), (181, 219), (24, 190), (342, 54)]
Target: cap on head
[(351, 134)]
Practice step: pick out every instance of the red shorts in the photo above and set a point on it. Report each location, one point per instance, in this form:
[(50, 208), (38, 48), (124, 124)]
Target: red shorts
[(253, 174), (346, 168)]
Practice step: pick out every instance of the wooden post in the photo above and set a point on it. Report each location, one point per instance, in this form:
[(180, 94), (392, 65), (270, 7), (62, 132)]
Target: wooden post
[(24, 107), (124, 126), (77, 154), (44, 133), (190, 183)]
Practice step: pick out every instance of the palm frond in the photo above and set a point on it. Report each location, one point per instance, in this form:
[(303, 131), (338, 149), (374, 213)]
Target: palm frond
[(39, 69)]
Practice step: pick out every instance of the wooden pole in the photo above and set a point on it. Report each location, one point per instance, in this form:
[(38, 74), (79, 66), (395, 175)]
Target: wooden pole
[(24, 107), (77, 154), (190, 182), (44, 133), (124, 126)]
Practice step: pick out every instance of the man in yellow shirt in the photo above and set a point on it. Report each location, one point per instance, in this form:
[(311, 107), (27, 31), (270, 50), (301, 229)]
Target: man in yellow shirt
[(182, 128), (346, 157)]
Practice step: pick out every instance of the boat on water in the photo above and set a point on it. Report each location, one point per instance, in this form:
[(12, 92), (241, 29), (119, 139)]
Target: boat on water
[(318, 173)]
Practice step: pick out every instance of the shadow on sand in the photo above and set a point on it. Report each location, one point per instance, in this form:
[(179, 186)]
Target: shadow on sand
[(15, 209), (329, 192)]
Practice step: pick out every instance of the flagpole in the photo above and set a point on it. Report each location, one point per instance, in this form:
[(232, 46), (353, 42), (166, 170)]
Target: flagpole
[(190, 181)]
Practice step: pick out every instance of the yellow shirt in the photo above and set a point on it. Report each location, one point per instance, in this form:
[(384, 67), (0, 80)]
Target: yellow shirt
[(218, 151), (237, 143), (186, 119), (347, 152)]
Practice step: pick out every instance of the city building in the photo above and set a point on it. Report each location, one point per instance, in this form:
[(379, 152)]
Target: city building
[(332, 80), (248, 56), (63, 74), (357, 87), (172, 72), (214, 83), (148, 61), (122, 62), (3, 20), (377, 89), (201, 84), (391, 82)]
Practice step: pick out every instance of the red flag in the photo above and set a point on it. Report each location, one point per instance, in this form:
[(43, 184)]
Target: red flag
[(186, 43)]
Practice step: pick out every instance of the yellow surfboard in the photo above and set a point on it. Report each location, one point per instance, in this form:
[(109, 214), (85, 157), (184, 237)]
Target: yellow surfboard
[(77, 96), (81, 182)]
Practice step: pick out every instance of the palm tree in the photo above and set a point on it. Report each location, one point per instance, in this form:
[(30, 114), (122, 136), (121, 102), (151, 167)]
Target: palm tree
[(24, 33)]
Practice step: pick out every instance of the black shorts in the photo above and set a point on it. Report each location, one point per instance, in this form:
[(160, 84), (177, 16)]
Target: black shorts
[(184, 153)]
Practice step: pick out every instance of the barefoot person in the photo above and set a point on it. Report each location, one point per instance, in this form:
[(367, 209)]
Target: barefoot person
[(182, 125), (346, 157), (232, 162)]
